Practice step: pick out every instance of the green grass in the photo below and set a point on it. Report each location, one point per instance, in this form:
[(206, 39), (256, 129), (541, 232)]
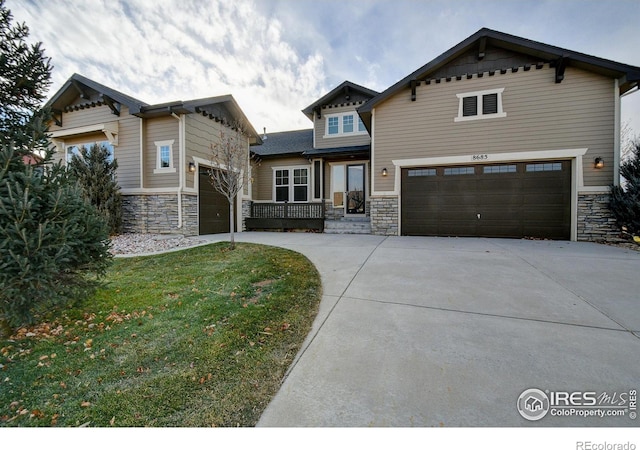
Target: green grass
[(200, 337)]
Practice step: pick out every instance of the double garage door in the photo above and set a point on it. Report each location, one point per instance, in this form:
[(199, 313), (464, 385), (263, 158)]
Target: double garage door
[(526, 199)]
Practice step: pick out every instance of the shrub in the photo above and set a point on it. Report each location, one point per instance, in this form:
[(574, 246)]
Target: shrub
[(625, 201), (95, 170), (53, 243)]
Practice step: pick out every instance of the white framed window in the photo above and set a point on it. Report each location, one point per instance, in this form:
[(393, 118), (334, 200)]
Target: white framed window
[(480, 105), (344, 124), (291, 184), (164, 157)]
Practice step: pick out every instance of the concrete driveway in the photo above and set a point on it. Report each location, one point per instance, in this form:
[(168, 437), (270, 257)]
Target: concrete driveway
[(417, 331)]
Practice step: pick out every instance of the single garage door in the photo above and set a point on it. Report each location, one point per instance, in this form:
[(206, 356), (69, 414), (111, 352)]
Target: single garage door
[(213, 207), (529, 199)]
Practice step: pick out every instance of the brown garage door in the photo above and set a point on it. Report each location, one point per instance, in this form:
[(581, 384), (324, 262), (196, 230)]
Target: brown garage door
[(531, 199), (213, 207)]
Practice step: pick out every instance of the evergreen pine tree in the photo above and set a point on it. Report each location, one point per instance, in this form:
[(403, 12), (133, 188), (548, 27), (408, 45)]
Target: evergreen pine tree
[(95, 170), (625, 202), (52, 240)]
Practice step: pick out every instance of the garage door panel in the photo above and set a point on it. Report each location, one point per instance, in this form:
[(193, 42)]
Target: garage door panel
[(513, 200)]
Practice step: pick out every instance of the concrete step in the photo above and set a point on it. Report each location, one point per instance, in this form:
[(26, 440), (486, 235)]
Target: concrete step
[(347, 226)]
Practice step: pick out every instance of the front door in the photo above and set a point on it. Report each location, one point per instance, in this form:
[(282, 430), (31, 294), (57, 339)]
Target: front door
[(355, 189)]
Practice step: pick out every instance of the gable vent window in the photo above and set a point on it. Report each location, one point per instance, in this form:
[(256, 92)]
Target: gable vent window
[(480, 105)]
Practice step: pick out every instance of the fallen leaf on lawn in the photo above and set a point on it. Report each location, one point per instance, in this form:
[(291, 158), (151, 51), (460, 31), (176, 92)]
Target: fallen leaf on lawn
[(112, 421), (88, 343), (37, 413), (85, 404), (63, 385), (54, 419), (43, 357), (285, 326)]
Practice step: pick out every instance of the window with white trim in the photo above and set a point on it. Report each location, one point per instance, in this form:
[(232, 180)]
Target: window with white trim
[(344, 124), (291, 184), (164, 157), (480, 105)]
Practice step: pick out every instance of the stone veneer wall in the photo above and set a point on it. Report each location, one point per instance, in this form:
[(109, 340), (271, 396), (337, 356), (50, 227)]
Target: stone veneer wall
[(331, 213), (595, 220), (246, 212), (384, 216), (159, 214)]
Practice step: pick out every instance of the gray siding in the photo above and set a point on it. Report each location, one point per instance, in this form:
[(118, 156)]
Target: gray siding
[(160, 129), (541, 115), (339, 141), (127, 152), (201, 134)]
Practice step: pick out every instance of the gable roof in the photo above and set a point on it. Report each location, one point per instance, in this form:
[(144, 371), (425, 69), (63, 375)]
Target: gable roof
[(223, 108), (343, 92), (629, 75), (285, 143), (82, 86)]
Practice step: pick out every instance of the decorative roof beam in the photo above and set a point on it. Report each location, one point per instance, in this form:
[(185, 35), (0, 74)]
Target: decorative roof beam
[(561, 65), (412, 84), (113, 105), (81, 91), (56, 115)]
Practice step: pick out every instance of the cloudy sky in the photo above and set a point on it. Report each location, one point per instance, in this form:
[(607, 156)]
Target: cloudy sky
[(278, 56)]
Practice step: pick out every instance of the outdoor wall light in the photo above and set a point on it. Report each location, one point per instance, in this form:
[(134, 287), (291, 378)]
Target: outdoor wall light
[(598, 163), (192, 167), (384, 172)]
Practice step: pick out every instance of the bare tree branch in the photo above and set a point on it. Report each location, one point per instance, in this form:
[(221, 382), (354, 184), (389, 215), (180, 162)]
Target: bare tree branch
[(229, 164)]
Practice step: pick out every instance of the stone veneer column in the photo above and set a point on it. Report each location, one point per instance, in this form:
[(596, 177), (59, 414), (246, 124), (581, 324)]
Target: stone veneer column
[(384, 216), (246, 212), (595, 220)]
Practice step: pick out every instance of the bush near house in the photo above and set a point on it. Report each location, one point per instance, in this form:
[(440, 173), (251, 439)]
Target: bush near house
[(625, 201), (95, 169), (51, 240)]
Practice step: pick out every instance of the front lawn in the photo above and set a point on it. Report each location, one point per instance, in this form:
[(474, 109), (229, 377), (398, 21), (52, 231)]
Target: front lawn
[(200, 337)]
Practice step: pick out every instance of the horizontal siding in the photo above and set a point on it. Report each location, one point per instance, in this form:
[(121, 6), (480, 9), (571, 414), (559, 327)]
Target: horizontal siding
[(87, 116), (541, 115), (127, 152), (160, 129), (341, 141), (263, 175), (201, 134)]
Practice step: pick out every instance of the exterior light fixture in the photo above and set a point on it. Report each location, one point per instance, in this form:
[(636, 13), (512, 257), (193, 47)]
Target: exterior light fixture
[(598, 163), (192, 167), (384, 172)]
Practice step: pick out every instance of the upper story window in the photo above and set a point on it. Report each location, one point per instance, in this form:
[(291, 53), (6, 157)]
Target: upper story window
[(480, 105), (164, 157), (344, 124)]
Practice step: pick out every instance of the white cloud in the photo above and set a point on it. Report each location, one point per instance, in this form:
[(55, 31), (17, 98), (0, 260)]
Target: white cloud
[(276, 56)]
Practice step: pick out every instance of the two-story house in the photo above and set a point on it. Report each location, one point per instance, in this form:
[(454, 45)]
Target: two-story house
[(500, 136)]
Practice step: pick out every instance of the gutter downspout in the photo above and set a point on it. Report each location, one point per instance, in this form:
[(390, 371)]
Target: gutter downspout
[(181, 155), (616, 136)]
